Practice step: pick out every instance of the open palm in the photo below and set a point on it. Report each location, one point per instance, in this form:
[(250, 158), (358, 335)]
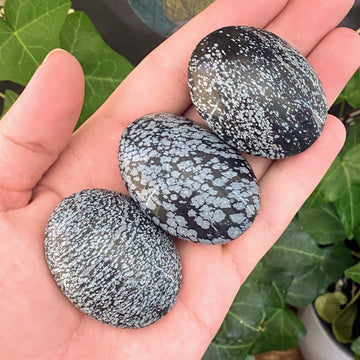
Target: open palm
[(41, 163)]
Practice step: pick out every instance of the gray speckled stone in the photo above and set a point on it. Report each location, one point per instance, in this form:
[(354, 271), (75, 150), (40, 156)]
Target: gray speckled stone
[(188, 181), (110, 260), (256, 92)]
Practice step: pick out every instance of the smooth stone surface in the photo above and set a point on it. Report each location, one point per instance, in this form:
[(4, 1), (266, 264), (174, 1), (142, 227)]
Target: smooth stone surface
[(188, 181), (110, 260), (256, 92)]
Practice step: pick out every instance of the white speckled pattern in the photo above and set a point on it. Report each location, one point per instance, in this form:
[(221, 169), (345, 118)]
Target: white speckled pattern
[(256, 92), (188, 181), (110, 260)]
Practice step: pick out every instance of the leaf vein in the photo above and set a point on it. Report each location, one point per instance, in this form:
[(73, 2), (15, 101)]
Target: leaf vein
[(281, 247), (243, 322), (39, 18)]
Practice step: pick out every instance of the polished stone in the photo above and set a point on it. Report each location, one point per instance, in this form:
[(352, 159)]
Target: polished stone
[(110, 260), (256, 92), (188, 181)]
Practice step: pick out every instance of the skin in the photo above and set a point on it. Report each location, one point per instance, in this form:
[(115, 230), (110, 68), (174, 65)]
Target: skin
[(41, 162)]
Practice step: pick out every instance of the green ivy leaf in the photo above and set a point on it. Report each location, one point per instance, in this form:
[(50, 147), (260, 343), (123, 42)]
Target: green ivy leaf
[(337, 259), (342, 326), (341, 186), (354, 273), (257, 320), (306, 286), (274, 292), (343, 323), (355, 346), (298, 255), (10, 98), (294, 250), (29, 30), (314, 280), (352, 138), (281, 328), (322, 223), (283, 331), (104, 69), (328, 306), (351, 92), (330, 188), (348, 201)]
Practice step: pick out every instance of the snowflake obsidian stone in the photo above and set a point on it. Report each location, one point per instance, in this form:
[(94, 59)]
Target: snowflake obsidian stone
[(110, 260), (188, 181), (256, 92)]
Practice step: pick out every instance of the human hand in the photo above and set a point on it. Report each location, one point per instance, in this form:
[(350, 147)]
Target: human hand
[(40, 163)]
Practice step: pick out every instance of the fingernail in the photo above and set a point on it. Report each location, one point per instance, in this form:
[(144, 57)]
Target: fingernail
[(54, 51)]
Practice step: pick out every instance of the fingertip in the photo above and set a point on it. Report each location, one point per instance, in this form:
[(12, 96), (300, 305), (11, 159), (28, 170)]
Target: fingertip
[(64, 69), (59, 54), (335, 59), (352, 38), (336, 132), (51, 102)]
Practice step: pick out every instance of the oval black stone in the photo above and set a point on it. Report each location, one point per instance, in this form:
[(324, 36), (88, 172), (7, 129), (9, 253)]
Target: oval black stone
[(188, 181), (110, 260), (256, 92)]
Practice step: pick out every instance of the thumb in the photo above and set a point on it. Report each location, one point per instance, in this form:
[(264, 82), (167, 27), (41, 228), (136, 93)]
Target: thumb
[(36, 128)]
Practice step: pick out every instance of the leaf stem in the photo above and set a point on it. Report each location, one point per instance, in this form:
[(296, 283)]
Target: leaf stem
[(356, 254), (356, 296), (2, 95), (341, 111), (355, 113)]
